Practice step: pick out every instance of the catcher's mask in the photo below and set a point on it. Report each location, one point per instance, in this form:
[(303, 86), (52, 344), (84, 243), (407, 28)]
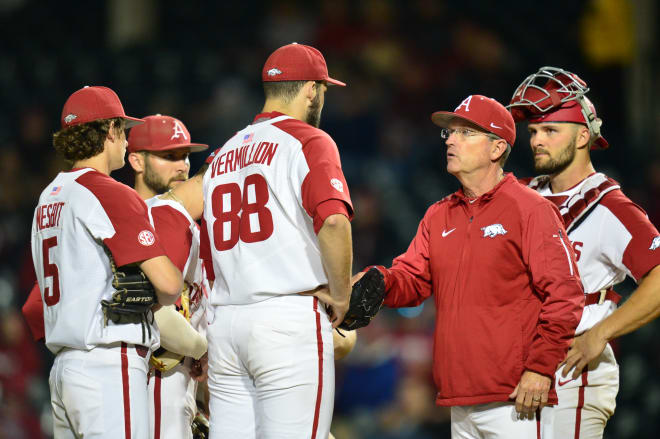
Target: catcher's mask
[(556, 95)]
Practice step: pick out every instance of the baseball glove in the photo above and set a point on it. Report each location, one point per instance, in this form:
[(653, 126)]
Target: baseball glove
[(133, 297), (366, 299), (164, 360), (200, 426)]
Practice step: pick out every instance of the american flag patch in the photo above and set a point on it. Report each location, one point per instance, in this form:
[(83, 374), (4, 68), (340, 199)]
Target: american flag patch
[(248, 138), (56, 190)]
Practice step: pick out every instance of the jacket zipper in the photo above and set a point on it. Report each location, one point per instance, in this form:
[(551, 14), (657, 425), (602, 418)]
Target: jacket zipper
[(464, 250), (568, 255)]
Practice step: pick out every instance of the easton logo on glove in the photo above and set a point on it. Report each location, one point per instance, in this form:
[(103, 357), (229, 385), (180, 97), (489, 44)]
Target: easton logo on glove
[(133, 297), (367, 297)]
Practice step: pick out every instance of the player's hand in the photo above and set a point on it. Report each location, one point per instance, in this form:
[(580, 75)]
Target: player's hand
[(335, 308), (199, 369), (531, 393), (585, 348)]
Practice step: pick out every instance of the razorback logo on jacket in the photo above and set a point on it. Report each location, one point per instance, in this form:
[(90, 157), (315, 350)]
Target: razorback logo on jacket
[(655, 244), (493, 230)]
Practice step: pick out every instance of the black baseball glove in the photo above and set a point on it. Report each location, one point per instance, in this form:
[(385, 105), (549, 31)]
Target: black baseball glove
[(133, 297), (366, 299)]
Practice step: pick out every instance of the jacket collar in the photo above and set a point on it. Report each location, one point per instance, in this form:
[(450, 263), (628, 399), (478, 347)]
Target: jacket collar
[(459, 195)]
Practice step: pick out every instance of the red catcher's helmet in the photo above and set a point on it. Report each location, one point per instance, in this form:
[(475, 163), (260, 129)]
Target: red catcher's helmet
[(556, 95)]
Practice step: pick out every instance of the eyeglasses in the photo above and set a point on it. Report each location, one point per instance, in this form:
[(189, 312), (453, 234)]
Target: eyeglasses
[(464, 132)]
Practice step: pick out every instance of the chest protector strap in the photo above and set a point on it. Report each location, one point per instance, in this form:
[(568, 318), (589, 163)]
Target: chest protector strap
[(575, 208)]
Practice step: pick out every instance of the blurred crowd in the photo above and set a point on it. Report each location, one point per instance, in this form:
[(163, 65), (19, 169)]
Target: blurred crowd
[(402, 60)]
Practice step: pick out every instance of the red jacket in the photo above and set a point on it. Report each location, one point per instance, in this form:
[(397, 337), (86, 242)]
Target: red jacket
[(507, 291)]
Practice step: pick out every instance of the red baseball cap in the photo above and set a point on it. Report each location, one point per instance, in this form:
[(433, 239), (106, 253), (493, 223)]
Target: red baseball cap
[(571, 111), (161, 133), (94, 103), (484, 112), (297, 62)]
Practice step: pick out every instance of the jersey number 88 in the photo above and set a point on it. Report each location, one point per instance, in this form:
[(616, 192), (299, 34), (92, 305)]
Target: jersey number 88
[(234, 207)]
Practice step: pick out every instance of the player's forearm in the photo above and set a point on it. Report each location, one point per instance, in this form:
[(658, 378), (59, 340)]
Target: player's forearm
[(337, 255), (177, 334), (642, 307), (165, 278)]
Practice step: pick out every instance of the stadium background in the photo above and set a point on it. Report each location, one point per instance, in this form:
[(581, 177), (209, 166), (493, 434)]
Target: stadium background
[(402, 60)]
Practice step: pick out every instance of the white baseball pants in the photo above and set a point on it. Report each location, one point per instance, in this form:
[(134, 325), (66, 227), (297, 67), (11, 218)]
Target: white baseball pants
[(172, 405), (101, 393), (586, 403), (271, 369), (499, 420)]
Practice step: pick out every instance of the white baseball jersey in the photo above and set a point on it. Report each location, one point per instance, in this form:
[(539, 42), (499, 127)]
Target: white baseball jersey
[(612, 237), (80, 215), (180, 240), (172, 405), (266, 194)]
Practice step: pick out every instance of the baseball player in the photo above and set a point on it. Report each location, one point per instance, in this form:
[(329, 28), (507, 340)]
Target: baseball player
[(276, 214), (98, 379), (158, 153), (611, 236), (507, 292)]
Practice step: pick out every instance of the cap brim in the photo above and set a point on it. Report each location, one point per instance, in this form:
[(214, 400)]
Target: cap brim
[(335, 82), (132, 121), (196, 147), (444, 118)]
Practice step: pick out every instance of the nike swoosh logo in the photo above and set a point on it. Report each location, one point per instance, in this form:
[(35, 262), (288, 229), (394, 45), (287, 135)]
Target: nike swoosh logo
[(561, 383), (445, 232), (492, 125)]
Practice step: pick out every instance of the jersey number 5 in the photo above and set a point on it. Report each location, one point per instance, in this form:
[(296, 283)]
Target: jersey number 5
[(240, 212), (51, 296)]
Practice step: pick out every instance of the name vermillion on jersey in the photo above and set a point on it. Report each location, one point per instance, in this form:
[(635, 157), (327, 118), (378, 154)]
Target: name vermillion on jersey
[(260, 153)]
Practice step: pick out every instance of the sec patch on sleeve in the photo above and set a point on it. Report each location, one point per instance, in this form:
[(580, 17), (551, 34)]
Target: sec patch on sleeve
[(146, 238)]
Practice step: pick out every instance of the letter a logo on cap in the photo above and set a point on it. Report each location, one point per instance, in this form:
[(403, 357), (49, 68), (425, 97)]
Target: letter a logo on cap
[(465, 103), (178, 129)]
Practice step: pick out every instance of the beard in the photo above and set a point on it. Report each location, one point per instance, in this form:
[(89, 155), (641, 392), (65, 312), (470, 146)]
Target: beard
[(313, 117), (557, 165), (157, 184)]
